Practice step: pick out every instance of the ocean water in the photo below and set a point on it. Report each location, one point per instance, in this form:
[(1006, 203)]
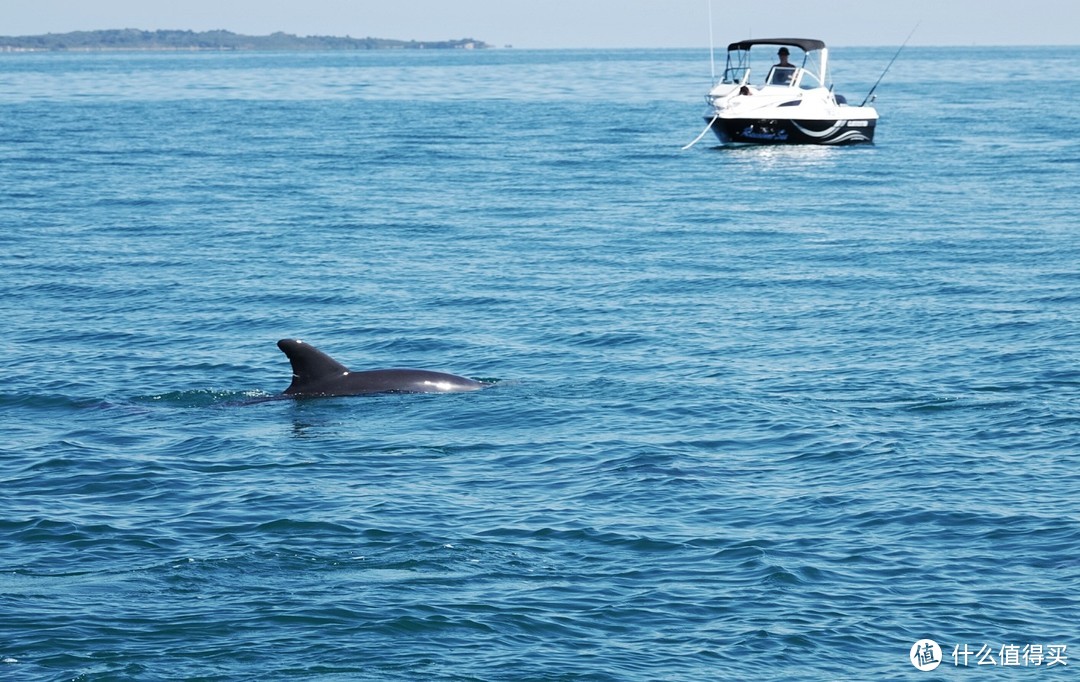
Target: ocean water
[(758, 413)]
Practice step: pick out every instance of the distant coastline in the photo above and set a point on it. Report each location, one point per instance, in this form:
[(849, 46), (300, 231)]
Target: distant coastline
[(135, 39)]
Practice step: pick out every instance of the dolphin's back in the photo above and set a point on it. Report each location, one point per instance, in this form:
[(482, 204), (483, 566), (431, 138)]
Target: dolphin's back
[(317, 374), (404, 381)]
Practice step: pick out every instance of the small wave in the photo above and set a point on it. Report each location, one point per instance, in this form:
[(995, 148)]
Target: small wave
[(933, 405), (205, 398), (52, 401)]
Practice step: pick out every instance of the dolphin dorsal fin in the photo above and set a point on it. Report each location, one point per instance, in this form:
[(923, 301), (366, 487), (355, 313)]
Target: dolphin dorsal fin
[(309, 364)]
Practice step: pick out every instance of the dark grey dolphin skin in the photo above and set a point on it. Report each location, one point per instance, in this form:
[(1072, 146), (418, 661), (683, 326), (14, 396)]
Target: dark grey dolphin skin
[(317, 374)]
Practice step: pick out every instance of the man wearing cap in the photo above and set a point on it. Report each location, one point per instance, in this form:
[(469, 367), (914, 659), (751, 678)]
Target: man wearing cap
[(783, 54)]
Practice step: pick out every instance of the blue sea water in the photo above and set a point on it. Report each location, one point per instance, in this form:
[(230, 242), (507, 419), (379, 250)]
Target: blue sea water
[(761, 413)]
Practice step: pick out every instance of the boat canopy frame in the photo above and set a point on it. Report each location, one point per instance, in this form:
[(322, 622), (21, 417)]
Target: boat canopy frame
[(815, 56), (804, 44)]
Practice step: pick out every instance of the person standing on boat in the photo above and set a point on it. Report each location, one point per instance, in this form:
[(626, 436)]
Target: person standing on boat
[(783, 53)]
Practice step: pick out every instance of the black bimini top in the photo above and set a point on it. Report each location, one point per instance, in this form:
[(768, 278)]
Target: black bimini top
[(804, 44)]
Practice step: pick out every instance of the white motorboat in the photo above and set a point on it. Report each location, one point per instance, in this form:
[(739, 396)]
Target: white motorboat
[(792, 105)]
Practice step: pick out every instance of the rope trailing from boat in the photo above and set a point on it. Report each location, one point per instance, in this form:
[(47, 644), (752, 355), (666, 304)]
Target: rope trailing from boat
[(698, 138)]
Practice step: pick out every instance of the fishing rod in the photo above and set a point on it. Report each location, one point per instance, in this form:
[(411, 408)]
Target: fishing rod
[(889, 66), (712, 53)]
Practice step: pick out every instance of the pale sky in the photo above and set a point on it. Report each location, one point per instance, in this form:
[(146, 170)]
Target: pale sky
[(576, 23)]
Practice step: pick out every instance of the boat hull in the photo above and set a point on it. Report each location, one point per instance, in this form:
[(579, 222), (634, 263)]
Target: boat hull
[(794, 131)]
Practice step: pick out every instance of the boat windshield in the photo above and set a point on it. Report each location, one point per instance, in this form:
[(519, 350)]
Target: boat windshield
[(781, 75)]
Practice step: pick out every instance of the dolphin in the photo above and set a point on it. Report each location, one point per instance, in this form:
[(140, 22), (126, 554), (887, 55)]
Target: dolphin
[(317, 374)]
